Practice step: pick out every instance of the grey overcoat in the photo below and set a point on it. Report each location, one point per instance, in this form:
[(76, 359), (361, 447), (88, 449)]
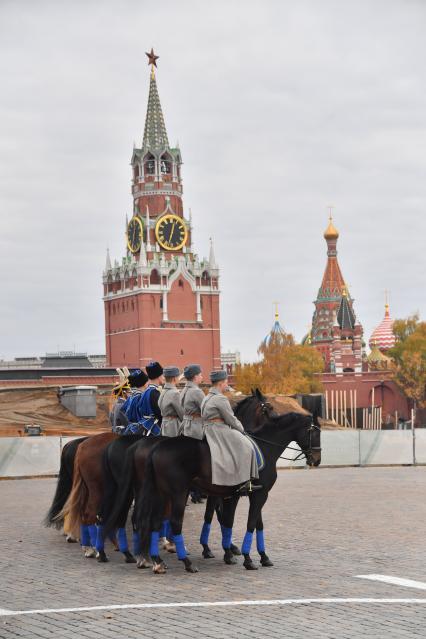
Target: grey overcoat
[(171, 411), (233, 456), (192, 397)]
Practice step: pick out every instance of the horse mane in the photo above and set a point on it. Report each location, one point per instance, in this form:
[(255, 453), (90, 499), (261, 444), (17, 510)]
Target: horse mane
[(286, 421)]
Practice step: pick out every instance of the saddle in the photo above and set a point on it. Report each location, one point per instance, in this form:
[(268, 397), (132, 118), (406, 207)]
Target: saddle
[(260, 458)]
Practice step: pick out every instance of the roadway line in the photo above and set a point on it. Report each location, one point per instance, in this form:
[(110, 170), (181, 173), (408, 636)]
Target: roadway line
[(205, 604), (395, 581)]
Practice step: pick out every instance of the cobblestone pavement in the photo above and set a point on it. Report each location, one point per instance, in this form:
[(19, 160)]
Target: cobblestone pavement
[(322, 528)]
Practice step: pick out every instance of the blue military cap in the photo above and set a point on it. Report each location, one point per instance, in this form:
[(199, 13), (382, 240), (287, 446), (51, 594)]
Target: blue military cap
[(218, 376), (191, 371), (171, 371)]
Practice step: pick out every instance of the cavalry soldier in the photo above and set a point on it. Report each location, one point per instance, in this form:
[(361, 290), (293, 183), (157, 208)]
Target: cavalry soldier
[(142, 410), (233, 456), (192, 397), (170, 404), (135, 384)]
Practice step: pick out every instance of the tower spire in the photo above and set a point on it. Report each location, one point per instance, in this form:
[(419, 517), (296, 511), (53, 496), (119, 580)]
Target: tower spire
[(108, 262), (155, 134), (212, 258)]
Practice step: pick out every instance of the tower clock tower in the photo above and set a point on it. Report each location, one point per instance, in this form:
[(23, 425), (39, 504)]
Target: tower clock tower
[(161, 301)]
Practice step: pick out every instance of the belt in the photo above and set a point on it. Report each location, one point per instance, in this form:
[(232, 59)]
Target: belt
[(218, 421), (194, 415)]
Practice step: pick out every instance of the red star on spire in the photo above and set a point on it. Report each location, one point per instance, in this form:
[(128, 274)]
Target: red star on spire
[(152, 58)]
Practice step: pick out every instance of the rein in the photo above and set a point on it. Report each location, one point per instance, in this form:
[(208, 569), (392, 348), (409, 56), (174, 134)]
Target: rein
[(301, 451)]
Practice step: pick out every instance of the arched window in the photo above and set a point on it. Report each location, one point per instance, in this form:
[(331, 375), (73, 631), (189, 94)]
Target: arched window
[(149, 165), (165, 165), (180, 283), (205, 279), (154, 278)]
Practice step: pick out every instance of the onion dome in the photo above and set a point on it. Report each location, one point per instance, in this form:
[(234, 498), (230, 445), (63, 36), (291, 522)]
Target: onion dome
[(376, 359), (277, 332), (331, 233), (383, 336)]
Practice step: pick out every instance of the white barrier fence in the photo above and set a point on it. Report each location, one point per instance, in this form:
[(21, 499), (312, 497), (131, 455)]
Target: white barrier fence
[(35, 456)]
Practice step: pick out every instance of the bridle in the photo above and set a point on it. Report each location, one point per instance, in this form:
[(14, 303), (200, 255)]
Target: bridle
[(302, 452)]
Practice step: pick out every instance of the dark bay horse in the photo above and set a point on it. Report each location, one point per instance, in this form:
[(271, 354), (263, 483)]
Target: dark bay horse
[(63, 486), (175, 465)]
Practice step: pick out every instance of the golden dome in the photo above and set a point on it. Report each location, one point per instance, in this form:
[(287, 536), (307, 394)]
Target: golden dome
[(331, 233)]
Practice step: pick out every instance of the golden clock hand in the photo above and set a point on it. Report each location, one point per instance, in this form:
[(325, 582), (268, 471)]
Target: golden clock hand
[(171, 232)]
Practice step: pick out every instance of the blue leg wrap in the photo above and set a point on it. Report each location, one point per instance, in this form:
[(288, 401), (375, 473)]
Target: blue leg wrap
[(93, 534), (123, 546), (226, 537), (84, 535), (165, 529), (153, 548), (205, 532), (180, 546), (260, 541), (246, 547), (99, 538), (137, 550)]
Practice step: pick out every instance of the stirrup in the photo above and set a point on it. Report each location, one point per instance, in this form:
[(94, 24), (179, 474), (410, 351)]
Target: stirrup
[(248, 488)]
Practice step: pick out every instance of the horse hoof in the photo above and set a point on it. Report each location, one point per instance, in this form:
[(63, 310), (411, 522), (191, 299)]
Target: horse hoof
[(143, 563), (249, 565), (207, 554), (128, 558), (191, 569), (169, 546), (266, 563), (159, 569), (229, 560), (89, 552), (102, 558), (235, 550), (70, 539)]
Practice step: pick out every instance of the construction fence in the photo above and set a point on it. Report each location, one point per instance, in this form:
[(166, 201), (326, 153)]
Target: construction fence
[(40, 456)]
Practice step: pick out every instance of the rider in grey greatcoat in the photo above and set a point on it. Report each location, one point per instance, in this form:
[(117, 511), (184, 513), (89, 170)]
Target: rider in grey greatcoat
[(170, 404), (232, 454), (192, 397)]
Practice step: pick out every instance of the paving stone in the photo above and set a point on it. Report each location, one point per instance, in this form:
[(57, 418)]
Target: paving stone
[(322, 528)]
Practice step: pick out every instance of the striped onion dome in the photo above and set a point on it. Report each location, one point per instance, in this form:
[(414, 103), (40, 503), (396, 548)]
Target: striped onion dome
[(276, 331), (383, 336)]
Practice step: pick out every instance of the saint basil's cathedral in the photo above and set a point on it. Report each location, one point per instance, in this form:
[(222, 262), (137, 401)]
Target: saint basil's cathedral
[(161, 301)]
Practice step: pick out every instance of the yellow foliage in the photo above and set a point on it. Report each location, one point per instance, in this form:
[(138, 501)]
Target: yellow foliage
[(285, 368)]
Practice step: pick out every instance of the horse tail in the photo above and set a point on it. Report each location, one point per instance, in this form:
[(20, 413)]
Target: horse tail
[(117, 516), (64, 485), (76, 503), (146, 503)]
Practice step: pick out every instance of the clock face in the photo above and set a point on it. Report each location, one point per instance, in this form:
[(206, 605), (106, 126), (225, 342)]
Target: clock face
[(134, 234), (171, 232)]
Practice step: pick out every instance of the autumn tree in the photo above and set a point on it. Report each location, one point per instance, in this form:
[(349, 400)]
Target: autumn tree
[(284, 368), (409, 356)]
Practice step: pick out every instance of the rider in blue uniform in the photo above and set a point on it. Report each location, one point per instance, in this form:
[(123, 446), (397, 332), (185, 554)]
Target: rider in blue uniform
[(142, 410), (137, 381)]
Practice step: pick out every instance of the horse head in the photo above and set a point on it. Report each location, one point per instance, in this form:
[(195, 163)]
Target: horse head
[(254, 411), (308, 438)]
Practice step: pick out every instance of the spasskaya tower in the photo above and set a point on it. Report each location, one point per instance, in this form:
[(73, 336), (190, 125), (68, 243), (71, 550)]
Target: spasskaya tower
[(161, 301)]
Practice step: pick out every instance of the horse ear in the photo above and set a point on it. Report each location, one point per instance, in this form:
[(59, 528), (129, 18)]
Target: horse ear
[(259, 395), (252, 391)]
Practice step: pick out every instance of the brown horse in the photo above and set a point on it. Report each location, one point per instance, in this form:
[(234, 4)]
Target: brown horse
[(83, 503)]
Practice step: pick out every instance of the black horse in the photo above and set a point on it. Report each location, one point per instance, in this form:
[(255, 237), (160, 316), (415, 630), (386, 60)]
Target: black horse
[(64, 485), (175, 465), (124, 476)]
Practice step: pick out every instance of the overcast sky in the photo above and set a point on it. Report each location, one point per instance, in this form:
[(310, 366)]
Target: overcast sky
[(281, 108)]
